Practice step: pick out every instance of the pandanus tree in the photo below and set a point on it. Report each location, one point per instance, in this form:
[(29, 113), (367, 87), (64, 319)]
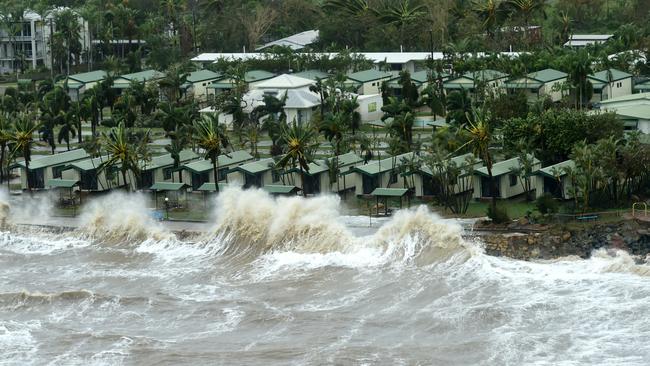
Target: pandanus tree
[(300, 142), (123, 153), (480, 137), (210, 136), (401, 14), (492, 13), (22, 138)]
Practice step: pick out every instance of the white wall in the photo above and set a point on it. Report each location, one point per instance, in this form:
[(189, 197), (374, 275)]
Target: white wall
[(370, 107)]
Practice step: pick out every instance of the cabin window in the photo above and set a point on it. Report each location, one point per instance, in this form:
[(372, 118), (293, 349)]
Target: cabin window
[(35, 178), (167, 173), (513, 180), (393, 178), (372, 107), (222, 174), (57, 170), (275, 174)]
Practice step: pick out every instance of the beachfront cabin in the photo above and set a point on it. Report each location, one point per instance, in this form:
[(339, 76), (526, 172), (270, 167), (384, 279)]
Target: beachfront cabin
[(258, 174), (299, 102), (78, 84), (92, 179), (507, 183), (161, 169), (370, 107), (471, 81), (316, 178), (312, 75), (197, 82), (428, 185), (346, 163), (554, 180), (319, 178), (419, 78), (44, 168), (148, 77), (383, 173), (611, 83), (633, 110), (225, 83), (198, 172), (368, 81), (540, 84), (583, 40)]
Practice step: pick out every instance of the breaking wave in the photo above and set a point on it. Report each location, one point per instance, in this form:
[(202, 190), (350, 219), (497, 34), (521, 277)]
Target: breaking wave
[(119, 217)]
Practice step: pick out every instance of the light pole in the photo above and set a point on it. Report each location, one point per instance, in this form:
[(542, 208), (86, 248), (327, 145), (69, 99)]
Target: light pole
[(166, 208)]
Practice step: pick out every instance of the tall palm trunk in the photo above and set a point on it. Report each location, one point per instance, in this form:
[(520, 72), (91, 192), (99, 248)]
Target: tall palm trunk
[(493, 189), (128, 186), (3, 146), (215, 171)]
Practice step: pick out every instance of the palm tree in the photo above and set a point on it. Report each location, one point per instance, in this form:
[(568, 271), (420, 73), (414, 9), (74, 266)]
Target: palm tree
[(527, 9), (353, 8), (211, 137), (174, 149), (492, 13), (401, 14), (579, 65), (5, 138), (22, 139), (68, 129), (300, 142), (459, 107), (175, 76), (480, 134), (121, 152), (90, 109)]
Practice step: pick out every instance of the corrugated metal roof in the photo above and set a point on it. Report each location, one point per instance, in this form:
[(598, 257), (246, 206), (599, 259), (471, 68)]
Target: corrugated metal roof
[(369, 75), (89, 164), (285, 81), (502, 167), (603, 76), (202, 75), (312, 74), (145, 75), (166, 160), (485, 75), (210, 187), (548, 171), (56, 159), (384, 165), (89, 77), (256, 167), (641, 111), (225, 160), (641, 97), (295, 42), (460, 161)]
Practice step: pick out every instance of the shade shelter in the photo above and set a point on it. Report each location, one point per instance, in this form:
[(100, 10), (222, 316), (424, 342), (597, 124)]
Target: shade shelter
[(65, 186), (168, 187), (387, 193)]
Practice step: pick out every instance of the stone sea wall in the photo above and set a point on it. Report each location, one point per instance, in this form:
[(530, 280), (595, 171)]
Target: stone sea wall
[(560, 242)]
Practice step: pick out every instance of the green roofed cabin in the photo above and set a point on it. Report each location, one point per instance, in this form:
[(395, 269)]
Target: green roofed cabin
[(554, 180), (633, 110), (258, 174), (45, 168), (319, 180), (368, 81), (610, 83), (201, 171), (467, 81), (93, 179), (281, 190), (419, 78), (197, 83), (538, 84), (642, 86), (161, 169), (78, 84), (384, 173), (225, 83), (426, 185), (147, 76), (507, 183)]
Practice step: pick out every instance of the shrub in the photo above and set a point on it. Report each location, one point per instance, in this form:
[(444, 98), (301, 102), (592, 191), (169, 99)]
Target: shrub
[(546, 204), (498, 216)]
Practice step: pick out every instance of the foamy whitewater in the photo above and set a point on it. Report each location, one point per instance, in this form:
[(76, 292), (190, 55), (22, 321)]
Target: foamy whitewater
[(293, 282)]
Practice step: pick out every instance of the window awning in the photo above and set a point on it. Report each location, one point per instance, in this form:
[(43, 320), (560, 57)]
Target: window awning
[(389, 192), (62, 183), (280, 189), (168, 186)]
